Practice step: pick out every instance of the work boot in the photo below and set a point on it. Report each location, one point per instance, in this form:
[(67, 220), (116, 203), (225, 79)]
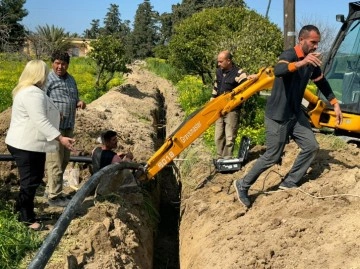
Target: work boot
[(58, 201), (242, 194), (285, 185)]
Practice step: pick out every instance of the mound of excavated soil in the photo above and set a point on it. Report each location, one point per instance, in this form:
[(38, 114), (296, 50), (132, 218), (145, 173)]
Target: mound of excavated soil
[(315, 226)]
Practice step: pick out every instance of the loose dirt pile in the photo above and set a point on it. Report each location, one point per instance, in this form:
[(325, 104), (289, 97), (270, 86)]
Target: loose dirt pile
[(316, 226)]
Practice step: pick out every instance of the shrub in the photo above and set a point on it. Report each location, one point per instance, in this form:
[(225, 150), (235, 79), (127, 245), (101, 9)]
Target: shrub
[(192, 93)]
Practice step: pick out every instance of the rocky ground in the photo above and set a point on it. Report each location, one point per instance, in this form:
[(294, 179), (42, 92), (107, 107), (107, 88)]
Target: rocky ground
[(315, 226)]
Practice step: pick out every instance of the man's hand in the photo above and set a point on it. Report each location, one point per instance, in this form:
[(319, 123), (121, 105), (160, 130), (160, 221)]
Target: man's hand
[(311, 58), (67, 142), (128, 157), (140, 173), (81, 104), (338, 113), (252, 77)]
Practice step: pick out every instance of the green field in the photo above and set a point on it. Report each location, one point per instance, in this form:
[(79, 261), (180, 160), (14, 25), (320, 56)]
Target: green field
[(83, 70)]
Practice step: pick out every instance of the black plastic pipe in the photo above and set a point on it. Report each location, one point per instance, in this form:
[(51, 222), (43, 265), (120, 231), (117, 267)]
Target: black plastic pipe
[(79, 159), (54, 237)]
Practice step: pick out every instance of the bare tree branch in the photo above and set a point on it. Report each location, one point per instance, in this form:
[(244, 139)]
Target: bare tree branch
[(4, 30)]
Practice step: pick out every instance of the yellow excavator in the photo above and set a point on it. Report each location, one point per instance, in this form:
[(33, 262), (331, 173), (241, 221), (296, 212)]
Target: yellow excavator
[(341, 68)]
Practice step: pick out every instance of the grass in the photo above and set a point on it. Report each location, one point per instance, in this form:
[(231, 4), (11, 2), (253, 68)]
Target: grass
[(150, 208), (333, 142), (163, 69), (10, 70), (17, 240)]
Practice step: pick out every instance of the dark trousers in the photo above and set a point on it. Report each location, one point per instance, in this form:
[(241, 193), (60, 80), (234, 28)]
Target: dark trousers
[(31, 167), (277, 134)]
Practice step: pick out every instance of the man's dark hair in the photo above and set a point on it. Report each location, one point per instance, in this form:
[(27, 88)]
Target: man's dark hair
[(308, 28), (62, 56), (107, 135)]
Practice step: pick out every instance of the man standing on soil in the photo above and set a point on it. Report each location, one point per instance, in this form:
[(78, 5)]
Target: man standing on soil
[(62, 90), (228, 77), (283, 115)]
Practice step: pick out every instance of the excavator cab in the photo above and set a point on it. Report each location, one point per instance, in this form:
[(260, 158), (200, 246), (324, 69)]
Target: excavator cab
[(342, 67)]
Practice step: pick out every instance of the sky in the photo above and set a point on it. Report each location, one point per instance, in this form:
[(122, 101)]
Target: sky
[(76, 15)]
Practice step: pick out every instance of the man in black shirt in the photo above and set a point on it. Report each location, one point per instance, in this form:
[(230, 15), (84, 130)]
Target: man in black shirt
[(103, 156), (228, 77), (283, 114)]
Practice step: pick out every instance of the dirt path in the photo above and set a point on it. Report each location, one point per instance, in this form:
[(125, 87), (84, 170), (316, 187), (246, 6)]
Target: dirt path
[(316, 226)]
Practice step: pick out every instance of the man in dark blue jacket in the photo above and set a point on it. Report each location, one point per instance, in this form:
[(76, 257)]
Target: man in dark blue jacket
[(283, 115)]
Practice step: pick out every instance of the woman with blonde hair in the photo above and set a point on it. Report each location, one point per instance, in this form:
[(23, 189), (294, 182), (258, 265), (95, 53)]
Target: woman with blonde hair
[(34, 130)]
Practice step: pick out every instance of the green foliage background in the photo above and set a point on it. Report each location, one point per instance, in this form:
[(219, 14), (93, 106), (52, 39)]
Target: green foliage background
[(252, 39), (10, 70)]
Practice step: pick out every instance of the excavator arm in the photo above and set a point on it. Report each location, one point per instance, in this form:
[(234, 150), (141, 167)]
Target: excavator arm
[(201, 120), (321, 116)]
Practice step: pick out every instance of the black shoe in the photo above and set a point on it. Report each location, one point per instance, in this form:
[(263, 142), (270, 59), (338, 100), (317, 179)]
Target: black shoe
[(242, 194), (58, 202), (285, 185)]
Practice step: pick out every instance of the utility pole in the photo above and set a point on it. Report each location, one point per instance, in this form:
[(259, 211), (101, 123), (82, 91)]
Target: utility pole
[(289, 24)]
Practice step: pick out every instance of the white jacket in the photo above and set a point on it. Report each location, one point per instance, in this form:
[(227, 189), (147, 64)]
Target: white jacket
[(34, 121)]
